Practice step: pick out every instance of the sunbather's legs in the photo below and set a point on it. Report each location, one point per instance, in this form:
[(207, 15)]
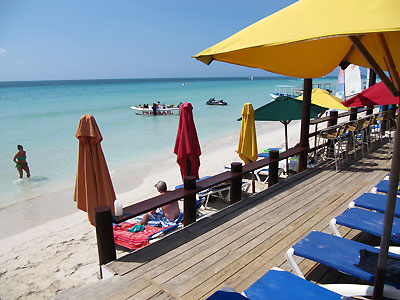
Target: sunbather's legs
[(145, 219)]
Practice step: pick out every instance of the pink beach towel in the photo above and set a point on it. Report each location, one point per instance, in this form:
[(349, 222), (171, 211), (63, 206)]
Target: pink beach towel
[(133, 240)]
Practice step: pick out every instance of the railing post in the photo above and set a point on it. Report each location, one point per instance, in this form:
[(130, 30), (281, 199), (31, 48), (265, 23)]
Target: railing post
[(393, 116), (305, 124), (384, 122), (333, 118), (353, 113), (105, 235), (273, 168), (189, 202), (235, 190)]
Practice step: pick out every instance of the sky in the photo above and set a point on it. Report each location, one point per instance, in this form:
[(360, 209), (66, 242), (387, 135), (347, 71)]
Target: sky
[(98, 39)]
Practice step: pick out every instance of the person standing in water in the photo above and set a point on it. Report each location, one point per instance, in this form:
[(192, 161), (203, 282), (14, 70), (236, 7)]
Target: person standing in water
[(20, 161)]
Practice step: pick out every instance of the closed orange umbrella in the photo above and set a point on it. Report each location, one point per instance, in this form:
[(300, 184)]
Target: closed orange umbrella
[(93, 186)]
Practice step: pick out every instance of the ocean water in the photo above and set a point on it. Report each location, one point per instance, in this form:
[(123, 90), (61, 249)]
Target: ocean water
[(43, 117)]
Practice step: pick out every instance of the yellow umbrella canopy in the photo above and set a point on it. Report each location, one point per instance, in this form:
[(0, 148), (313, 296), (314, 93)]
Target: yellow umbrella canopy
[(325, 99), (247, 148), (309, 38)]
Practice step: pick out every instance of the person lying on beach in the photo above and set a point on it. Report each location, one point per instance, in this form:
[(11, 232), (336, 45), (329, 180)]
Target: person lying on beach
[(170, 211), (20, 161)]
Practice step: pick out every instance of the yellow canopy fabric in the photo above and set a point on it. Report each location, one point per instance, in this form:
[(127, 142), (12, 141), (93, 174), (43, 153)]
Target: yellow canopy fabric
[(247, 148), (308, 39), (325, 99)]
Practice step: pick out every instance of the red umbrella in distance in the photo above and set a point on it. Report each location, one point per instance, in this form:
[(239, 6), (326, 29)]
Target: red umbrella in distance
[(93, 186), (378, 94), (187, 147)]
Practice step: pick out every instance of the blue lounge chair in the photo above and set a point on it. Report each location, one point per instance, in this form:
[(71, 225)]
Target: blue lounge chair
[(338, 253), (383, 187), (277, 284), (366, 221), (283, 285), (374, 202)]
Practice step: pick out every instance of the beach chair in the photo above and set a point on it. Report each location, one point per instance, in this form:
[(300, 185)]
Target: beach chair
[(374, 202), (136, 240), (346, 256), (262, 174), (365, 221), (382, 187), (277, 284), (220, 191)]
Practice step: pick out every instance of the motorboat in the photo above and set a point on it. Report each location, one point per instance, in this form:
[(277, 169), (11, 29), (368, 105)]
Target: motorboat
[(287, 90), (212, 101), (296, 91), (148, 111)]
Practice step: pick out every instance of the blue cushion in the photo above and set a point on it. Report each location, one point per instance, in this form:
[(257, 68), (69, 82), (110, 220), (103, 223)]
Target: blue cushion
[(368, 221), (283, 285)]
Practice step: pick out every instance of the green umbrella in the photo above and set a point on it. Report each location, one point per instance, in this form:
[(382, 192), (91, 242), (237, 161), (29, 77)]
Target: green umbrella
[(284, 109)]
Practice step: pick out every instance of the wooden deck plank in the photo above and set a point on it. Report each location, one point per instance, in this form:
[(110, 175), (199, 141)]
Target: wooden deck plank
[(253, 236), (280, 243), (238, 245), (207, 238)]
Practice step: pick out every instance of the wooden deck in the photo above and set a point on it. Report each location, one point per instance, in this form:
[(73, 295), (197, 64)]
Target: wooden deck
[(239, 244)]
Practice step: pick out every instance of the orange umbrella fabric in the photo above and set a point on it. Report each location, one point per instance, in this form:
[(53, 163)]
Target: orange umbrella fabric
[(93, 186), (187, 147)]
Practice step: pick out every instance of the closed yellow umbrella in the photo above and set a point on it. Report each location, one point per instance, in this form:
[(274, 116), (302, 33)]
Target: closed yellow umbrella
[(325, 99), (308, 39), (247, 148)]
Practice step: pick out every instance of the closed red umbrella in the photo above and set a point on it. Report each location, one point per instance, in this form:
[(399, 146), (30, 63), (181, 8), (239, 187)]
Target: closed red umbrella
[(187, 147), (93, 186), (377, 94)]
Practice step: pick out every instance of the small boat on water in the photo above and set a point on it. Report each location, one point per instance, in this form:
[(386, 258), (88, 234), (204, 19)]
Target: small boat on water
[(148, 111), (212, 101), (287, 90), (296, 91)]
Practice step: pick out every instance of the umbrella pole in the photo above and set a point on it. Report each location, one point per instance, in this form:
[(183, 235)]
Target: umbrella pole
[(285, 123), (253, 181), (389, 215), (188, 167)]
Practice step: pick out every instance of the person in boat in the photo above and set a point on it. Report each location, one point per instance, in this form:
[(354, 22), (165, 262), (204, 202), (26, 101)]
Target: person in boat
[(21, 163), (154, 107), (170, 211)]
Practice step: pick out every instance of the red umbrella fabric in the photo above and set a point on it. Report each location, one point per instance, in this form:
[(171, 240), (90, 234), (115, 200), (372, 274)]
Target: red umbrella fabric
[(377, 94), (93, 186), (187, 147)]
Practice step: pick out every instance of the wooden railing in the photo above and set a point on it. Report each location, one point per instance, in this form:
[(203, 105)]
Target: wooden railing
[(104, 217)]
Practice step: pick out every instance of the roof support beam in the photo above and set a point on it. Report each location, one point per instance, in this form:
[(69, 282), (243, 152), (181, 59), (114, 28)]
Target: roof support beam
[(389, 62), (374, 65)]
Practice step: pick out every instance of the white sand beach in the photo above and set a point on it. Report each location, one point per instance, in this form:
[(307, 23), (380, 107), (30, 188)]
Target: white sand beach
[(55, 248)]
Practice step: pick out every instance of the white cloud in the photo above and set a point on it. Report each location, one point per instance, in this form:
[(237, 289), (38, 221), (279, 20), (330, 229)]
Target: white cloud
[(2, 50)]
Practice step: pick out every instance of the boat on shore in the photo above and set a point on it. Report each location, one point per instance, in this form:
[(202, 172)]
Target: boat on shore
[(148, 111), (212, 101)]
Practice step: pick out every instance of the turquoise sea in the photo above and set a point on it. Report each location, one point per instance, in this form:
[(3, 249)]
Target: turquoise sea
[(43, 117)]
